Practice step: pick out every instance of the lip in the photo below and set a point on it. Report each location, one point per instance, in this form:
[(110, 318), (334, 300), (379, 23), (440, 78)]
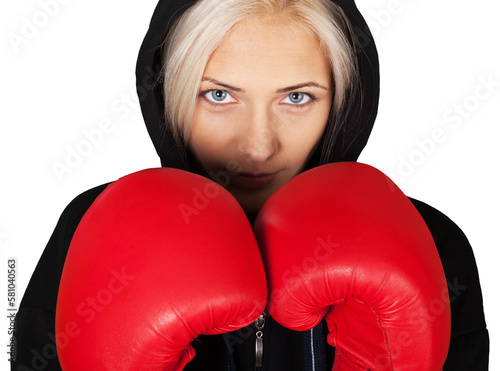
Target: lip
[(249, 180)]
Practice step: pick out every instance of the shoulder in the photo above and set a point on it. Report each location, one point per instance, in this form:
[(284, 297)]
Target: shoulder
[(44, 283), (71, 217), (460, 268), (74, 211), (448, 237)]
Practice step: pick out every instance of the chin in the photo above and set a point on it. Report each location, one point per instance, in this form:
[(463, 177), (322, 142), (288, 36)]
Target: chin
[(251, 202)]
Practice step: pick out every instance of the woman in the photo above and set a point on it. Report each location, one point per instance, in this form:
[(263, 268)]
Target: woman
[(251, 94)]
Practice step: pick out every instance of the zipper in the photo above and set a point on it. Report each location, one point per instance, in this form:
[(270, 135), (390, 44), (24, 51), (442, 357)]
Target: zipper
[(259, 341)]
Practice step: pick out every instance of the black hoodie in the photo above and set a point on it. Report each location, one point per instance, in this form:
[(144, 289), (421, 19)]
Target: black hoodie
[(284, 349)]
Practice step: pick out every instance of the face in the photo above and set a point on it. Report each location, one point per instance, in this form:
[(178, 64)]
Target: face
[(262, 108)]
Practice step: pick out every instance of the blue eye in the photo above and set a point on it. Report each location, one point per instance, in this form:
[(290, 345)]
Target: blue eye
[(219, 96), (297, 98)]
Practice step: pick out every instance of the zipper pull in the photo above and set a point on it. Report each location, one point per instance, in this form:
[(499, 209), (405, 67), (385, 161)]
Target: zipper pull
[(259, 341)]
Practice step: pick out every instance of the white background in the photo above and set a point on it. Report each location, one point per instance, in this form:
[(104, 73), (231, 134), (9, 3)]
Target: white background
[(76, 69)]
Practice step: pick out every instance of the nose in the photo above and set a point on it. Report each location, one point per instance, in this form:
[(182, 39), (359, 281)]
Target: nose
[(259, 140)]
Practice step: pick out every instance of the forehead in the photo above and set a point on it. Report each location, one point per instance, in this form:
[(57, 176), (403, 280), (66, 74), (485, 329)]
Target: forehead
[(270, 49)]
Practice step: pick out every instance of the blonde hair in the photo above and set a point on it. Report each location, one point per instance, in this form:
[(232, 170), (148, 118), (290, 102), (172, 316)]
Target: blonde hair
[(203, 27)]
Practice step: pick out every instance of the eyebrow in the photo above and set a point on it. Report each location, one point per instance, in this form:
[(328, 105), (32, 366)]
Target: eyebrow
[(299, 86), (216, 82), (282, 90)]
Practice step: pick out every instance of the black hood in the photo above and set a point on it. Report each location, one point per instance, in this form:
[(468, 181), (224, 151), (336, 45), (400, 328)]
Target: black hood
[(348, 142)]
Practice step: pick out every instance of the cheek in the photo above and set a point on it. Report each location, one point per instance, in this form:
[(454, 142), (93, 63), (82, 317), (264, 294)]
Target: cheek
[(303, 134), (211, 138)]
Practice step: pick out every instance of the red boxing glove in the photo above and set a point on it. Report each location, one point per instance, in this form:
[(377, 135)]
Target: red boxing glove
[(160, 257), (342, 241)]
